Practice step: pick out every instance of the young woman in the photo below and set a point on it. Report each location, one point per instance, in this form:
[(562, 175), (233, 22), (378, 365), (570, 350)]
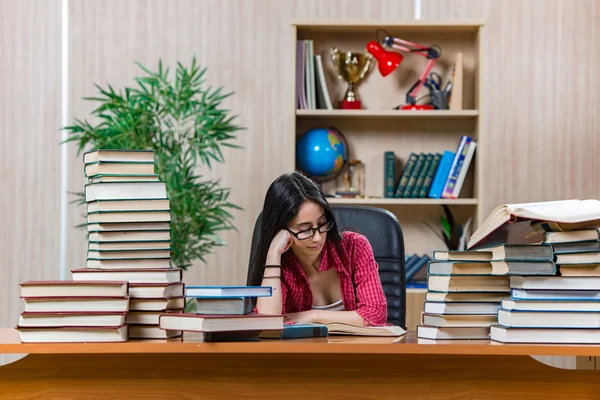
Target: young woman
[(318, 274)]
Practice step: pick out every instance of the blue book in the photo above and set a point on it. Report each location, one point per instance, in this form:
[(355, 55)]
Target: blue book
[(441, 175), (296, 331), (224, 292)]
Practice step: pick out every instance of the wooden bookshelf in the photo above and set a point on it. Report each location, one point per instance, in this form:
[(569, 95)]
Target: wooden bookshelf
[(379, 127)]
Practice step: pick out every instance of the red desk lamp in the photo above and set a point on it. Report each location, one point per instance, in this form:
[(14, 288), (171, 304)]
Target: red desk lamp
[(388, 61)]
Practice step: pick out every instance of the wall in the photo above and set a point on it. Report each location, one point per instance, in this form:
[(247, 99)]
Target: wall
[(539, 109)]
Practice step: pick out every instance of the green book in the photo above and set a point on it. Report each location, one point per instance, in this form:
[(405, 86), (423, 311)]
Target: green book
[(421, 178), (424, 191), (406, 172), (414, 175), (389, 174)]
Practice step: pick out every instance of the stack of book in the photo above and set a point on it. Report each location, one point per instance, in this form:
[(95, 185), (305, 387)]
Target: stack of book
[(559, 309), (564, 307), (223, 313), (70, 311), (128, 218)]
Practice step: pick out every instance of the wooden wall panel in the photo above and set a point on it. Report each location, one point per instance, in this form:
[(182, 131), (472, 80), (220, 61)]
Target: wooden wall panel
[(246, 46), (540, 103), (29, 148)]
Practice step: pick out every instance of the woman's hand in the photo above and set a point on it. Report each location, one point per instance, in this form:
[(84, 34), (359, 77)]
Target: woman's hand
[(281, 242)]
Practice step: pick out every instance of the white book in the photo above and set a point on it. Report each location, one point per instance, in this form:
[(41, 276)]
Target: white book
[(464, 169), (73, 334), (549, 319), (324, 101), (174, 303), (156, 290), (125, 190), (76, 304), (118, 156), (57, 320), (545, 335), (72, 288), (453, 332), (151, 332), (142, 275)]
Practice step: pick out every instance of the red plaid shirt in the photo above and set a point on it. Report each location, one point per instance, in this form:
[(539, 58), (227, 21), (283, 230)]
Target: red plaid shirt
[(359, 280)]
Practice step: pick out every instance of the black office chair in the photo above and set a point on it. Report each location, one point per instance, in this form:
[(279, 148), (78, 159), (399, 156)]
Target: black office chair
[(383, 230)]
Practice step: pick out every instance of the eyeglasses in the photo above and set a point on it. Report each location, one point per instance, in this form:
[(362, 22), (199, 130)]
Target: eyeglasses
[(307, 234)]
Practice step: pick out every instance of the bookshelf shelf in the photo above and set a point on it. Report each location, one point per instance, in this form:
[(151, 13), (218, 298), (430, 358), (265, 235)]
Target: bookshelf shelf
[(378, 128), (404, 202), (399, 114)]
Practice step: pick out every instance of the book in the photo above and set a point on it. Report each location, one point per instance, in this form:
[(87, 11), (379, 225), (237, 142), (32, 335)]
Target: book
[(427, 182), (460, 308), (455, 168), (72, 288), (323, 99), (228, 291), (453, 332), (125, 190), (124, 168), (131, 226), (76, 304), (464, 168), (128, 205), (555, 282), (104, 217), (465, 320), (580, 257), (74, 318), (544, 335), (406, 174), (128, 263), (82, 334), (220, 323), (492, 268), (104, 236), (389, 179), (135, 317), (548, 319), (156, 290), (339, 328), (151, 332), (150, 304), (218, 305), (296, 331), (414, 174), (118, 155), (138, 275), (441, 175), (468, 283), (421, 177), (579, 269), (120, 178), (474, 297), (572, 236), (513, 223), (555, 295), (129, 246), (550, 305), (571, 247)]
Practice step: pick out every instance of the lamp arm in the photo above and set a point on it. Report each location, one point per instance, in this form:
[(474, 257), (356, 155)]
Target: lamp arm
[(411, 96)]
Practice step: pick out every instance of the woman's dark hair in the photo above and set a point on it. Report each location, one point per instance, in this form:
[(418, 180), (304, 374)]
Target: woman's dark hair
[(282, 203)]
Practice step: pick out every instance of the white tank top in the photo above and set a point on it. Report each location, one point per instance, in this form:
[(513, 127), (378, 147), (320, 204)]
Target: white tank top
[(337, 306)]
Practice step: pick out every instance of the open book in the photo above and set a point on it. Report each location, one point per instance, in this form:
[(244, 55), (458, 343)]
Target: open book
[(527, 222), (338, 328)]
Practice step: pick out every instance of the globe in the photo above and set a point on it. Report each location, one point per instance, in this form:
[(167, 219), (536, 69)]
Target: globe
[(322, 153)]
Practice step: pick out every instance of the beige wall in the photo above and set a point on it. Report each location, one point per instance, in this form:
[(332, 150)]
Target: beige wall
[(540, 103)]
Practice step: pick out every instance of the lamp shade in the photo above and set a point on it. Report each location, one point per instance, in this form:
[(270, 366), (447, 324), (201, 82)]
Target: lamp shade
[(388, 61)]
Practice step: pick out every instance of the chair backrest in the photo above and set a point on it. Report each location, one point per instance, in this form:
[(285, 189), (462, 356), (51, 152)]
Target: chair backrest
[(383, 231)]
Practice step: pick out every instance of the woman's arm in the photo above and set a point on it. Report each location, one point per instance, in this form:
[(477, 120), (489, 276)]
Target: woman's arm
[(272, 277), (275, 304), (325, 317)]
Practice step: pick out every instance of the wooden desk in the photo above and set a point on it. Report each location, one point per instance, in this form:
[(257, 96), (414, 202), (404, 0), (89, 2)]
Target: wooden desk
[(331, 368)]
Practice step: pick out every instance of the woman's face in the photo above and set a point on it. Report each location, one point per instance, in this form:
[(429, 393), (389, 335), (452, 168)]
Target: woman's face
[(310, 216)]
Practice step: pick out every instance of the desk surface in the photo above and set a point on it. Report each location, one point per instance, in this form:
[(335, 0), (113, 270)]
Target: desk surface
[(407, 344)]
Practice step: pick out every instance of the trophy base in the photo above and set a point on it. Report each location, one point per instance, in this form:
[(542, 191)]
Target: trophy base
[(350, 105), (417, 107)]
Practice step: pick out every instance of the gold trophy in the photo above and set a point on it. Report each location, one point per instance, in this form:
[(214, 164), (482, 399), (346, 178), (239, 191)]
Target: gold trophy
[(351, 67)]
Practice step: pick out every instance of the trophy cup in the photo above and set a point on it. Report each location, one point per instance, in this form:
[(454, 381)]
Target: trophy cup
[(351, 67), (353, 180)]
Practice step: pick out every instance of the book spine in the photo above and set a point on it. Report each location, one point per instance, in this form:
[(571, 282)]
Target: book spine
[(413, 176), (464, 169), (441, 175), (410, 164), (422, 175), (459, 158), (430, 175), (390, 174)]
